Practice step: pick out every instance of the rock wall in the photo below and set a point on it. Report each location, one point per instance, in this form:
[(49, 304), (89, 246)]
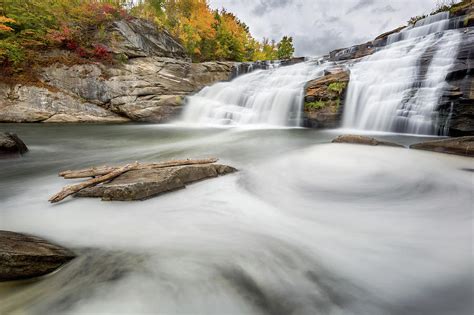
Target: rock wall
[(324, 99), (149, 85)]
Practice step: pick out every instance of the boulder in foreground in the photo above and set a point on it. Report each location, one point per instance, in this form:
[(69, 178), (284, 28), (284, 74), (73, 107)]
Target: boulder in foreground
[(25, 256), (460, 146), (10, 143), (356, 139), (145, 183)]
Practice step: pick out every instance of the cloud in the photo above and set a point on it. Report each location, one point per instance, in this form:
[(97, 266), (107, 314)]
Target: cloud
[(264, 6), (386, 9), (319, 26), (360, 5)]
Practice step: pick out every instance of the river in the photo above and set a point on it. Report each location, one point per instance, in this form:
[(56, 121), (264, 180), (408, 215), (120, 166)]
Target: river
[(304, 227)]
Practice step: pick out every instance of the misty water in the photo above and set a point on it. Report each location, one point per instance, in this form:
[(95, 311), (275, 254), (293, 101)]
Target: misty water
[(304, 227)]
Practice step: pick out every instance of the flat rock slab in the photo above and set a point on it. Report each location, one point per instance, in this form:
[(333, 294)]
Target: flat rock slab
[(356, 139), (25, 256), (10, 143), (460, 146), (145, 183)]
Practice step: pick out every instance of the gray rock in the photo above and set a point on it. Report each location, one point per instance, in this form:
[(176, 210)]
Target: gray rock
[(10, 143), (35, 104), (356, 139), (146, 183), (460, 146), (24, 256)]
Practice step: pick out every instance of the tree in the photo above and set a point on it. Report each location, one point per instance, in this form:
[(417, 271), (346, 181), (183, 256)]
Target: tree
[(285, 48)]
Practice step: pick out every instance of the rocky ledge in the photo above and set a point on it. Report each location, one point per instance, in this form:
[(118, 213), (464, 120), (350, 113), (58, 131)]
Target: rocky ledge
[(145, 183), (356, 139), (460, 146), (148, 84), (11, 144), (324, 99), (25, 256)]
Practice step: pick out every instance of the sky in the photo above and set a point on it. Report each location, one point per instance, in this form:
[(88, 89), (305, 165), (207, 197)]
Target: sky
[(319, 26)]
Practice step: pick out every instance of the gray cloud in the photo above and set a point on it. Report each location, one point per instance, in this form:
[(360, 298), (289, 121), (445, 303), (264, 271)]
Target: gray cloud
[(388, 8), (264, 6), (360, 5), (318, 26)]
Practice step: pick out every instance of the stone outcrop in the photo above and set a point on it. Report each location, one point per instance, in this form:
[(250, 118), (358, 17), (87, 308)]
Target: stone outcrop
[(356, 139), (24, 256), (148, 85), (460, 146), (11, 144), (324, 99), (145, 183)]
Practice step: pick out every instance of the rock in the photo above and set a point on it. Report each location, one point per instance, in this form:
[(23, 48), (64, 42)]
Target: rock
[(24, 256), (140, 38), (324, 99), (21, 103), (10, 143), (460, 146), (356, 139), (146, 183), (154, 70), (353, 52)]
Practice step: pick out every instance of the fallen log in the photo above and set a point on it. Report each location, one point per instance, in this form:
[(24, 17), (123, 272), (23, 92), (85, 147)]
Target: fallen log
[(72, 189), (103, 170)]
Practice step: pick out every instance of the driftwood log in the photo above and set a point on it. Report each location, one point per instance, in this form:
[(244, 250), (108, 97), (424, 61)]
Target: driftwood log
[(107, 173), (103, 170)]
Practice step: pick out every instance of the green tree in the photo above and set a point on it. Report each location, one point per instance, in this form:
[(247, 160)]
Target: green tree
[(285, 48)]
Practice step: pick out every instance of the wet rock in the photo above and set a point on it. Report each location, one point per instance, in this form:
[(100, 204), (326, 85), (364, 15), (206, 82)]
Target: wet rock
[(460, 146), (25, 256), (324, 99), (356, 139), (146, 183), (10, 143)]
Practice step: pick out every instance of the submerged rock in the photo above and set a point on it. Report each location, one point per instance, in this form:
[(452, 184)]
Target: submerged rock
[(324, 98), (356, 139), (460, 146), (25, 256), (145, 183), (10, 143)]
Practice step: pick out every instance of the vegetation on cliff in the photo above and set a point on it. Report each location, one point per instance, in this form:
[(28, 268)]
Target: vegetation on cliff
[(28, 28)]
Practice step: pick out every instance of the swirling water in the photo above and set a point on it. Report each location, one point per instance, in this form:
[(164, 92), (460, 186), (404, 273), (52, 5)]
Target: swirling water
[(305, 226)]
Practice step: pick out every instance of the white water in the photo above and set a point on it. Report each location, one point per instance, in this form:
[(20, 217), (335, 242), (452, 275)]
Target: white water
[(264, 97), (391, 91), (305, 227)]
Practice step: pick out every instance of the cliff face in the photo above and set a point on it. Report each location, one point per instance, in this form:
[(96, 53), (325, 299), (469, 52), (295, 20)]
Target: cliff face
[(149, 85)]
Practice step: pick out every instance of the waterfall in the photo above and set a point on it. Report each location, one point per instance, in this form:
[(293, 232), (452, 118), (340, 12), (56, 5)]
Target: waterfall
[(398, 87), (262, 97)]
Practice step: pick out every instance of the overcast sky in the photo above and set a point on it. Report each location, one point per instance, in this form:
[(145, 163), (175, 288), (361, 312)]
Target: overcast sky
[(318, 26)]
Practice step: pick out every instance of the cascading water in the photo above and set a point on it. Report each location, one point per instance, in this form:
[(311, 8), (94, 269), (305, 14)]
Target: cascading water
[(271, 97), (398, 88)]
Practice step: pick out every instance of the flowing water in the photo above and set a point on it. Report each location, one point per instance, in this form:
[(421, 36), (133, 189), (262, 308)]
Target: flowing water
[(398, 88), (264, 97), (305, 226)]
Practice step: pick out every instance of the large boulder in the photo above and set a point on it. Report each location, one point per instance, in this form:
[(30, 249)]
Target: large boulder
[(460, 146), (145, 183), (324, 99), (356, 139), (10, 143), (25, 256)]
